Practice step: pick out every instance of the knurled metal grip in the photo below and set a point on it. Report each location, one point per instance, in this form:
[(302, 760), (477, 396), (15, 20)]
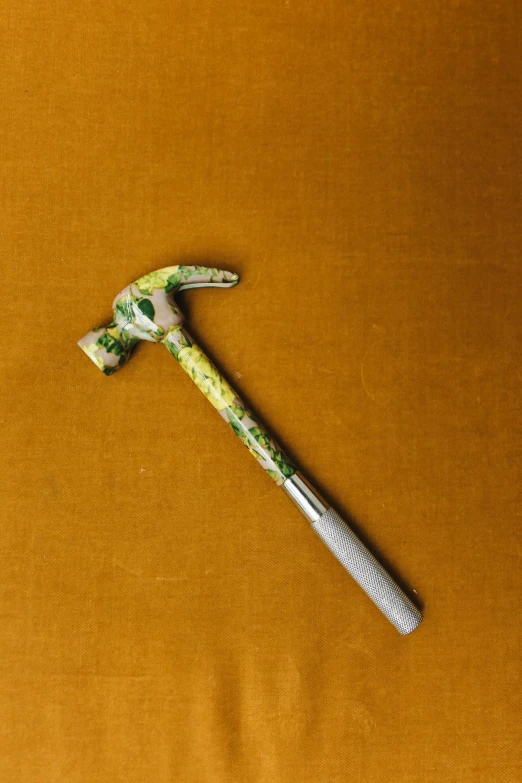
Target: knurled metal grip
[(367, 571), (355, 557)]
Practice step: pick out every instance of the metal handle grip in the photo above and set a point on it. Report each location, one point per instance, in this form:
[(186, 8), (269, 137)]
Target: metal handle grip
[(367, 571)]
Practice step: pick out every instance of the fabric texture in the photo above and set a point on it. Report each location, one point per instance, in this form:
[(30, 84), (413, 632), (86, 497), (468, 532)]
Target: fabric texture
[(166, 613)]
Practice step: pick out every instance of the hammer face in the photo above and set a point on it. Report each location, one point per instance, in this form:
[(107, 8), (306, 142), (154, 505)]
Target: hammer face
[(104, 346), (136, 317)]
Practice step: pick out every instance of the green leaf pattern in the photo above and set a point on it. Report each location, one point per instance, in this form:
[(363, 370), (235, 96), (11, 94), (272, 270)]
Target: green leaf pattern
[(145, 311), (140, 312)]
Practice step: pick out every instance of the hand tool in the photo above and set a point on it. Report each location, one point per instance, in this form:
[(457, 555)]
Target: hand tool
[(146, 310)]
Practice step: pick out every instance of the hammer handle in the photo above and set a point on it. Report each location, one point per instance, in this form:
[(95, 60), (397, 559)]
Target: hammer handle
[(229, 405), (334, 532)]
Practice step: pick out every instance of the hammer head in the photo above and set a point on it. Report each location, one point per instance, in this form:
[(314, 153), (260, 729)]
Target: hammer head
[(145, 310)]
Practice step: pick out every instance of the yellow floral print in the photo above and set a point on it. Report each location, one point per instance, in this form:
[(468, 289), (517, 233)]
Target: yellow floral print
[(135, 319), (206, 377), (92, 352), (158, 279)]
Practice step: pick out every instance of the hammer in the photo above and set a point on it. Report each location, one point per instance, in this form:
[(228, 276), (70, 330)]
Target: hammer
[(146, 310)]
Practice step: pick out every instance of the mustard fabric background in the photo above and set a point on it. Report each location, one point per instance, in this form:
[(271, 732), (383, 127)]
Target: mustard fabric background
[(166, 615)]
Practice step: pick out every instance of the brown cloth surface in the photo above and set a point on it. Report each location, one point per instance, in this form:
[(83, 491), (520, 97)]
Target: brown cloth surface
[(166, 614)]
